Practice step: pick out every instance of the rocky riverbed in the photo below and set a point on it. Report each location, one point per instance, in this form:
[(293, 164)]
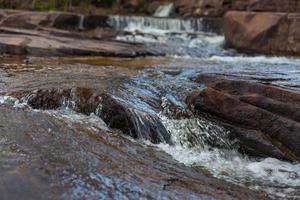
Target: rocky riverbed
[(135, 107)]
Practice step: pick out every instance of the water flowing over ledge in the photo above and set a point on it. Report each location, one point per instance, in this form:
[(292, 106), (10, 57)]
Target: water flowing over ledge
[(166, 25)]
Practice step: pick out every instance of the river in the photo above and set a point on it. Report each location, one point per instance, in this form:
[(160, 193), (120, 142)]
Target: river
[(83, 156)]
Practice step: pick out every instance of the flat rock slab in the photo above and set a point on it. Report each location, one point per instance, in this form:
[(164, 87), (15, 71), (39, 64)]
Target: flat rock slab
[(27, 43), (43, 157)]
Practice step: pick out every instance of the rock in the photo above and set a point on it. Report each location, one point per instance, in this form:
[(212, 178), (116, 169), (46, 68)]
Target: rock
[(289, 6), (48, 99), (289, 110), (117, 113), (270, 33), (60, 20), (131, 5), (255, 143), (197, 8), (36, 43), (60, 34), (46, 158), (82, 100), (266, 112), (63, 21), (137, 123), (281, 130), (151, 7), (95, 21)]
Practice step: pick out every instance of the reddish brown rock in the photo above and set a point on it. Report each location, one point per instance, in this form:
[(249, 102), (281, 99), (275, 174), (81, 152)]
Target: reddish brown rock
[(60, 20), (83, 100), (36, 43), (284, 109), (267, 115), (270, 33)]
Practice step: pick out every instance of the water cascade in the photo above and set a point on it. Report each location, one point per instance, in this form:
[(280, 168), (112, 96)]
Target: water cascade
[(169, 25), (164, 10), (81, 22)]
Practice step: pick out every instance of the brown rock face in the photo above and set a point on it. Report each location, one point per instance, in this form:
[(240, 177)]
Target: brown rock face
[(46, 158), (268, 115), (198, 8), (59, 20), (270, 33), (267, 5)]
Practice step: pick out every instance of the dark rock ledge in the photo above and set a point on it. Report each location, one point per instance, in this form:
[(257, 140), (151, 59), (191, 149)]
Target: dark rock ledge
[(264, 118)]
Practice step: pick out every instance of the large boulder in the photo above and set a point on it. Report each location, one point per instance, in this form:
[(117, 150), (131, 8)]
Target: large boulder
[(198, 8), (270, 33)]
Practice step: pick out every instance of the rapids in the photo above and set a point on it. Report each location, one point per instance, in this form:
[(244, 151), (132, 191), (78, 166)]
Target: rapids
[(159, 87)]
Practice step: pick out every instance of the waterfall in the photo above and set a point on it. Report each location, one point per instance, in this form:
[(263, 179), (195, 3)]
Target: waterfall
[(150, 24), (81, 22), (164, 10)]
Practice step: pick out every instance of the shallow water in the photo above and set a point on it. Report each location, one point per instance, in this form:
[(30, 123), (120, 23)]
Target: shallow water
[(142, 82)]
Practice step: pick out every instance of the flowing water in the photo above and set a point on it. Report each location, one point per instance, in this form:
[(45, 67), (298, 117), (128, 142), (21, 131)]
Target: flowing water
[(164, 10), (154, 91)]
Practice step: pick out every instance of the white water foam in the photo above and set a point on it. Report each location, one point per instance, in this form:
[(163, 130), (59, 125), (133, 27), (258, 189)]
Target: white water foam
[(157, 25), (71, 117), (278, 178), (256, 59), (12, 101)]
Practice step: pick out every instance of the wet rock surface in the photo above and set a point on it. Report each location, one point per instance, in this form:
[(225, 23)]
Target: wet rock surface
[(254, 106), (100, 164), (67, 95), (115, 112)]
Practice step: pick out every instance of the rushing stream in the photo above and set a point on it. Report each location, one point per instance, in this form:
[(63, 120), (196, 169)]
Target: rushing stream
[(156, 88)]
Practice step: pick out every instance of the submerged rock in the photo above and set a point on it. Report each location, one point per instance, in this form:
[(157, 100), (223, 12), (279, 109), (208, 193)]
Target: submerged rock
[(272, 124), (137, 123)]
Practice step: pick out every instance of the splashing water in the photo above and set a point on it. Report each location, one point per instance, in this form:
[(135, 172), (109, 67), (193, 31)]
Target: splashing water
[(195, 141)]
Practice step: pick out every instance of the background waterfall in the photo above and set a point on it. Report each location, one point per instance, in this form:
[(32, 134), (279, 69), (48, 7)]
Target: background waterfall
[(164, 10), (141, 23)]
